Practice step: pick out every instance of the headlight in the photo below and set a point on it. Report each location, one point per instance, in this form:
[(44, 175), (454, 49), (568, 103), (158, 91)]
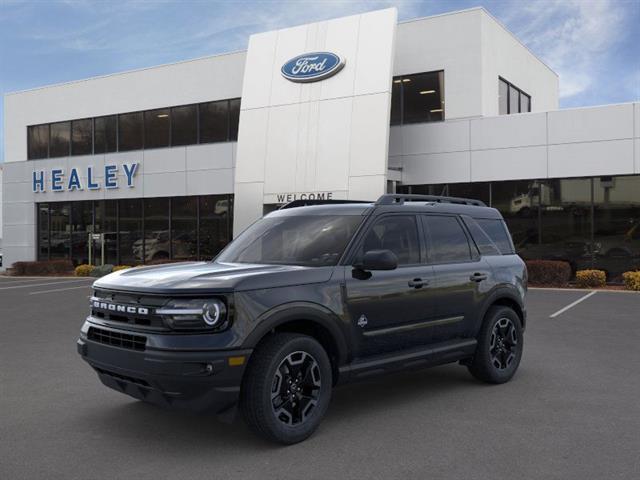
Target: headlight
[(206, 314)]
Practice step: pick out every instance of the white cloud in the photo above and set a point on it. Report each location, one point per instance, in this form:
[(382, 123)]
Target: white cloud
[(573, 36)]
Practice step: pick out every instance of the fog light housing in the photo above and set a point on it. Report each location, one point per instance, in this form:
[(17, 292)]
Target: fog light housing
[(200, 314)]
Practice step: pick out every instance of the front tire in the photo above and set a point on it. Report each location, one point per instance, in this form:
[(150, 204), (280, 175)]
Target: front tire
[(500, 345), (287, 388)]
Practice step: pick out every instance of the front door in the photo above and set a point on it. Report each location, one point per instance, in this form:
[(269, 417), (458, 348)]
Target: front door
[(388, 309)]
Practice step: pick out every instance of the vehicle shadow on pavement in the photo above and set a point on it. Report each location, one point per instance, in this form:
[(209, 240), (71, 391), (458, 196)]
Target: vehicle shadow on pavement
[(362, 400)]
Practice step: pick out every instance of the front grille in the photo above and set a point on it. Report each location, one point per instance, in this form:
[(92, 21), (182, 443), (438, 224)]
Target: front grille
[(117, 339), (148, 320)]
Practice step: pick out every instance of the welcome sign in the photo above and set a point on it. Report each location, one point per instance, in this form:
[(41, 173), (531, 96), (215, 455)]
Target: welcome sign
[(57, 180)]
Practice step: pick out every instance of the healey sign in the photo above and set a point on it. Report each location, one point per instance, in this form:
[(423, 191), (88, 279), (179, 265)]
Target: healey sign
[(312, 67), (57, 181)]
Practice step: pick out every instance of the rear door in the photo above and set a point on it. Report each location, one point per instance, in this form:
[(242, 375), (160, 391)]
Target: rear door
[(461, 276), (388, 309)]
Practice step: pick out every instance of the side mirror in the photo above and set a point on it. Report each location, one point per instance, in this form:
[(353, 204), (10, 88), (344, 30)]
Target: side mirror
[(378, 260)]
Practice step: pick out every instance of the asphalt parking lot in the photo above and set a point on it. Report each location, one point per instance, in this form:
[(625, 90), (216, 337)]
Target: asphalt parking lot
[(571, 412)]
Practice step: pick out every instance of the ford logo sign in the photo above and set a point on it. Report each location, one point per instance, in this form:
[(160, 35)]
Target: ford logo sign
[(312, 67)]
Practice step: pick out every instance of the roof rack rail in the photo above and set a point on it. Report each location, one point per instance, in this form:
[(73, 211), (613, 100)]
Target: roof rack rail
[(308, 202), (392, 199)]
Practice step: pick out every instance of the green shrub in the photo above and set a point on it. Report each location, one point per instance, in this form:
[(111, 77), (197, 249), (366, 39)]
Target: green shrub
[(84, 270), (46, 267), (631, 280), (548, 273), (591, 278)]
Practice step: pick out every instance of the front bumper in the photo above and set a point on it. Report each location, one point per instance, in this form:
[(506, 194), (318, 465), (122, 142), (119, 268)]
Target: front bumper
[(195, 380)]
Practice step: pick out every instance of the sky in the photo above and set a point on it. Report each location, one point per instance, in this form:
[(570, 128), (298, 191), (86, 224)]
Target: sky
[(593, 45)]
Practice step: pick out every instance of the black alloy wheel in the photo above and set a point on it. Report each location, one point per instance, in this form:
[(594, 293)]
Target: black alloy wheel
[(287, 387), (295, 389), (500, 346), (504, 343)]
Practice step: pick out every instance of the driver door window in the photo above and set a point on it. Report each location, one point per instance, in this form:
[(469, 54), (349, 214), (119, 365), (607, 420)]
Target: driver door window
[(398, 233)]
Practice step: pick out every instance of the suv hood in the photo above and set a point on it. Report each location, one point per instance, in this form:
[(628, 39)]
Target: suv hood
[(202, 277)]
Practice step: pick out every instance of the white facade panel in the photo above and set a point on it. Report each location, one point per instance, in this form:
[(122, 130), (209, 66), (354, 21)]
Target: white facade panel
[(210, 156), (203, 182), (365, 188), (252, 195), (513, 147), (613, 157), (436, 168), (376, 45), (507, 131), (612, 122), (442, 137), (332, 148), (509, 163), (291, 119), (369, 134), (20, 213), (170, 184), (164, 160)]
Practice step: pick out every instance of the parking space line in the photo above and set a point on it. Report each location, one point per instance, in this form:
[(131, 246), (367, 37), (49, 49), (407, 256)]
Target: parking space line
[(573, 304), (44, 284), (58, 290)]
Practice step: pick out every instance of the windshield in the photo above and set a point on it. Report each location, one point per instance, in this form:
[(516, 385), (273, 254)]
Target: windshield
[(313, 240)]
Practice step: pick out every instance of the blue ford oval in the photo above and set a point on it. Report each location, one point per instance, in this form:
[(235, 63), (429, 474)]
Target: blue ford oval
[(311, 67)]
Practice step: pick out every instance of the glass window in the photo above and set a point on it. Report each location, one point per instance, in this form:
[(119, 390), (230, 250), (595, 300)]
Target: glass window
[(234, 118), (397, 233), (157, 125), (396, 101), (81, 137), (81, 226), (184, 125), (105, 134), (514, 100), (422, 97), (59, 139), (616, 228), (60, 238), (131, 243), (157, 246), (313, 240), (485, 245), (130, 131), (214, 122), (38, 141), (447, 241), (497, 232), (525, 102), (184, 228), (503, 97), (215, 224), (106, 223), (43, 231)]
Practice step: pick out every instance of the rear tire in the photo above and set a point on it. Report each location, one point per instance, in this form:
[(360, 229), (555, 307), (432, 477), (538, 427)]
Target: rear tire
[(500, 345), (287, 388)]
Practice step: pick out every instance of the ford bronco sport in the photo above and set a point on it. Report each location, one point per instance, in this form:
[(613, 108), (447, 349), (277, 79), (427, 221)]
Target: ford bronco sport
[(311, 296)]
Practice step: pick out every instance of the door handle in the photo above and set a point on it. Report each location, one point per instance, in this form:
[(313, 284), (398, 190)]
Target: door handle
[(417, 283), (478, 277)]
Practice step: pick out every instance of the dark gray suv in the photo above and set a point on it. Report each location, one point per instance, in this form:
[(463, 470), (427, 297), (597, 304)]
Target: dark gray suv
[(311, 296)]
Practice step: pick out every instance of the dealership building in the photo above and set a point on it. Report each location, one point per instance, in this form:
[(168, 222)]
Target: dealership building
[(171, 162)]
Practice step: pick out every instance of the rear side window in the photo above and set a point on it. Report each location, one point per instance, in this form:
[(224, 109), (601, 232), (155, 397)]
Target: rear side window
[(447, 241), (498, 233), (482, 240)]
